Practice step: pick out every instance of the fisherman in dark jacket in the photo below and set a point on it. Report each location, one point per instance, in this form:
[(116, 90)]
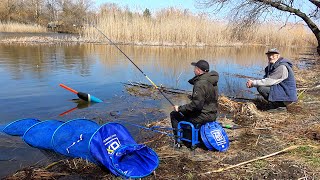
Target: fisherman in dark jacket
[(204, 99), (278, 85)]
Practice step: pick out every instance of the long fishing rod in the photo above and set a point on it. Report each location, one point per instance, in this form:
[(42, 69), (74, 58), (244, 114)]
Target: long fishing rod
[(136, 67)]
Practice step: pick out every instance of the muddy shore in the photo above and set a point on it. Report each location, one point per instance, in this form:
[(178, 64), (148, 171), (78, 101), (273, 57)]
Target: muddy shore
[(263, 134)]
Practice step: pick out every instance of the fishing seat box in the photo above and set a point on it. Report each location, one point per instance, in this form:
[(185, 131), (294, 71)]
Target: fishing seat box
[(188, 133)]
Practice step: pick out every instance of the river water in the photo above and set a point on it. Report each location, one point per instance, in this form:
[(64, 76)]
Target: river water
[(30, 76)]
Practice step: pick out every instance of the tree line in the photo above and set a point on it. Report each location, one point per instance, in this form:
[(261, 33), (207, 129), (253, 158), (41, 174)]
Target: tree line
[(244, 14), (42, 12)]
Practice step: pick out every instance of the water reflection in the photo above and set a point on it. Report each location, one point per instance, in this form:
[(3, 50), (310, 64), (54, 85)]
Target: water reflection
[(170, 61), (31, 71), (39, 60), (81, 104), (31, 74)]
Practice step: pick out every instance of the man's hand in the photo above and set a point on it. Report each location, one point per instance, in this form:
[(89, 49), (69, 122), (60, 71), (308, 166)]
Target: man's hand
[(249, 83), (176, 108)]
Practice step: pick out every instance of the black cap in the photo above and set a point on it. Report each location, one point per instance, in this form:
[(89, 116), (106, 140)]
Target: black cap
[(202, 64), (273, 51)]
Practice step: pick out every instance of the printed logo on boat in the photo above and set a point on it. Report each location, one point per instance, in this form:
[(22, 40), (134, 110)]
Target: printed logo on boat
[(218, 137), (112, 143)]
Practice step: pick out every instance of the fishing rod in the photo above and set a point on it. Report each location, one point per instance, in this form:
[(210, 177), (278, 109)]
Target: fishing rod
[(137, 67)]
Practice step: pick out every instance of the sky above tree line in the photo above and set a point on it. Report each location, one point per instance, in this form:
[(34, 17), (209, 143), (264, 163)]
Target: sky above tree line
[(153, 5)]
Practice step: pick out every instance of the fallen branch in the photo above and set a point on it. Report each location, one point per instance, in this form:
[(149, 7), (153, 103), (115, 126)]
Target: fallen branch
[(174, 90), (240, 76), (256, 159), (312, 102), (308, 88), (162, 88)]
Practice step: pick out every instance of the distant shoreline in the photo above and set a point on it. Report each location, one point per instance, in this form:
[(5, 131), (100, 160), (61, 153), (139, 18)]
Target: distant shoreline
[(76, 39)]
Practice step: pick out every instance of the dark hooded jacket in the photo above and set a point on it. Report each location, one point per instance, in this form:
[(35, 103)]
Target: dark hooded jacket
[(204, 100)]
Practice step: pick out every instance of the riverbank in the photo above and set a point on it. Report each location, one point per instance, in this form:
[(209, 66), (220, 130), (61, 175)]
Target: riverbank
[(78, 39), (172, 27), (43, 39), (22, 28), (263, 134)]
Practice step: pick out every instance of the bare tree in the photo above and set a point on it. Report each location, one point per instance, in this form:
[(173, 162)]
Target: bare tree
[(34, 10), (7, 9), (246, 13), (52, 10), (66, 15), (74, 11)]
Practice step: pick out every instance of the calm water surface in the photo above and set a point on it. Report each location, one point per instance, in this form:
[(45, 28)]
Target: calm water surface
[(30, 76)]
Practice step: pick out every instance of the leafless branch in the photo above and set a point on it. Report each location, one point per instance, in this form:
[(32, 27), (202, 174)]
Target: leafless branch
[(315, 2)]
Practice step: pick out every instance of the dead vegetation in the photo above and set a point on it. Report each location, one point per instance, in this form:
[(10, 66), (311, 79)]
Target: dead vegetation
[(19, 27), (145, 92), (176, 27), (269, 146), (41, 40)]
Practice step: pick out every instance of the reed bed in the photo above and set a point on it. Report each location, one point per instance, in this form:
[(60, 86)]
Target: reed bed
[(176, 27), (18, 27)]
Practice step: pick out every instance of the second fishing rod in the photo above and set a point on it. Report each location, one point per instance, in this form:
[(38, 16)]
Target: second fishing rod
[(136, 67)]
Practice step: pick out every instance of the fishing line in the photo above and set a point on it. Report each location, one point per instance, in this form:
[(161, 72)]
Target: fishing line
[(136, 67)]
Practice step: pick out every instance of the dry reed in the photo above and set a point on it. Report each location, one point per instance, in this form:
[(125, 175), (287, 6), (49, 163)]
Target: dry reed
[(176, 27), (18, 27)]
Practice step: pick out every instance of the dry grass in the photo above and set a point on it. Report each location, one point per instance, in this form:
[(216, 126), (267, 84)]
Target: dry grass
[(176, 27), (41, 40), (247, 146), (18, 27)]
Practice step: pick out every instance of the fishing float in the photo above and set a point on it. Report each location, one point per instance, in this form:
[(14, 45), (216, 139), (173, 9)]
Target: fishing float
[(82, 95)]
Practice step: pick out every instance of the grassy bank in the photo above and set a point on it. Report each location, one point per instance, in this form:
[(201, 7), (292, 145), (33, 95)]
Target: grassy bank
[(278, 145), (17, 27), (176, 27)]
